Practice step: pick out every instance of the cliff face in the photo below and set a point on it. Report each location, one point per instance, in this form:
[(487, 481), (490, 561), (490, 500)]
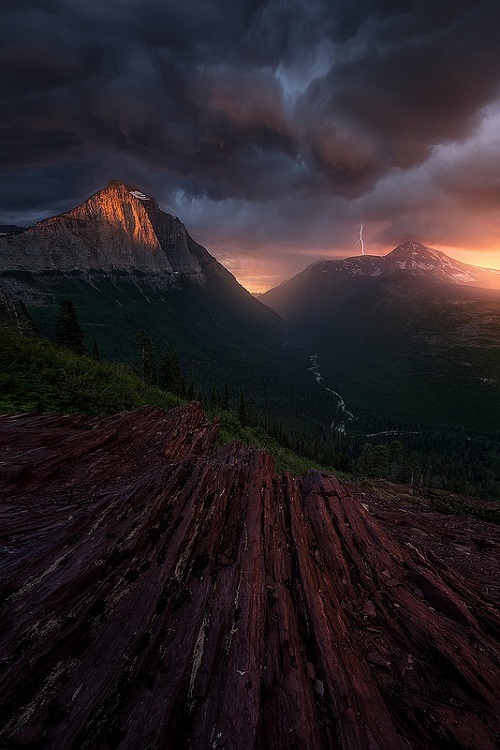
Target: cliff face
[(118, 228), (162, 592)]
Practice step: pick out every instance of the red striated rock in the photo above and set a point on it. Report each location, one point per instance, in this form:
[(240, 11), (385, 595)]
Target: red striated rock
[(159, 591)]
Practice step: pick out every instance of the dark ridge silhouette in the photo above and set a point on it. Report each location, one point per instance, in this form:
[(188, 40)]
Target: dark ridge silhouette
[(161, 591)]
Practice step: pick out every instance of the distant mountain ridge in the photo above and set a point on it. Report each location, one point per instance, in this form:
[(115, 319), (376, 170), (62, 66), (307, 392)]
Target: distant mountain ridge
[(350, 275), (118, 232), (6, 229), (426, 261)]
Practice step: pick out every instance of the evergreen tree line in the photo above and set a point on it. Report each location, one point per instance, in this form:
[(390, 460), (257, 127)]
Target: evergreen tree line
[(165, 373), (68, 332)]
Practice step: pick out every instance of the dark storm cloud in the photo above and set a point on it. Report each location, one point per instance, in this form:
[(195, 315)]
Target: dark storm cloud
[(399, 90), (472, 179), (291, 103)]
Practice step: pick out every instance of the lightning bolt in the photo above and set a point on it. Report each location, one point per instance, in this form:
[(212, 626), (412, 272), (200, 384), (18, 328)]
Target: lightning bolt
[(361, 243)]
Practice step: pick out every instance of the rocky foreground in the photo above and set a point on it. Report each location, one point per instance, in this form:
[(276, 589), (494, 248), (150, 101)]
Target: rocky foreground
[(160, 591)]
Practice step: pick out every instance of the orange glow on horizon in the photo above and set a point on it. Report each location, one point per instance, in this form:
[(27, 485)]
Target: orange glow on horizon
[(258, 284), (480, 257)]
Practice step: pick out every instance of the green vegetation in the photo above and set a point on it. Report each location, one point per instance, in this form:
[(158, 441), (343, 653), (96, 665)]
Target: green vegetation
[(417, 361), (38, 376), (457, 461), (147, 358), (232, 429)]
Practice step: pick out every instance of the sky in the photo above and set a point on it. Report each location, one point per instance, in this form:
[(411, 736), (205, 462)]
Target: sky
[(273, 128)]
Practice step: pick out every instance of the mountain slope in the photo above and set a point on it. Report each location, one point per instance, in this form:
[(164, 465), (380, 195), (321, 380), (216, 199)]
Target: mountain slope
[(126, 265), (411, 336), (160, 591)]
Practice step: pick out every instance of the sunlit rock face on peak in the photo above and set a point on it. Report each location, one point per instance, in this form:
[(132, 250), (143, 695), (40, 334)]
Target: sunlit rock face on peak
[(118, 228), (172, 236)]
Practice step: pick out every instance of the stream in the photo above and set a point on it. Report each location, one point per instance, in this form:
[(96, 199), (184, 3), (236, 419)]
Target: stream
[(341, 412)]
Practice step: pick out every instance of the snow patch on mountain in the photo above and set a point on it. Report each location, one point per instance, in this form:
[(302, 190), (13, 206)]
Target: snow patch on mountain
[(139, 195), (466, 278)]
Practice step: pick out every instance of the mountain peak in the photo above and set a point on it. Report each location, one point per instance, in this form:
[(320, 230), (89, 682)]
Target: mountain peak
[(414, 250), (426, 261), (116, 184), (412, 245), (123, 191), (118, 228)]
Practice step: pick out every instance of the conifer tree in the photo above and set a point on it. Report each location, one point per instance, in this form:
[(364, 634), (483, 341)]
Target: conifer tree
[(147, 360), (68, 333), (365, 462), (30, 328), (171, 377), (396, 456), (95, 352)]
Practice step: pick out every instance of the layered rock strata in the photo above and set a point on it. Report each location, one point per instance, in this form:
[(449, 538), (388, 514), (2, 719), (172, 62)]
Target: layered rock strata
[(161, 591)]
